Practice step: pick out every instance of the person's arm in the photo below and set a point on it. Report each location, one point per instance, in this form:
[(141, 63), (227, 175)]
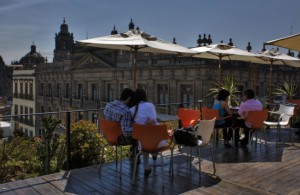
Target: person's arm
[(152, 115), (241, 111), (226, 107)]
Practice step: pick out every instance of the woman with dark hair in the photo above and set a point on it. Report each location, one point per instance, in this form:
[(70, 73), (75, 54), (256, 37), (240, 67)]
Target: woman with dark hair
[(225, 121), (144, 113)]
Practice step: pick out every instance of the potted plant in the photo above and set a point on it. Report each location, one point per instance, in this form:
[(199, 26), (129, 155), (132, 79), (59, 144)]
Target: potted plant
[(229, 84), (288, 89)]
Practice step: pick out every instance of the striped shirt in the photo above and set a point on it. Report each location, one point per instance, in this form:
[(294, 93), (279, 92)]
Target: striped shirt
[(118, 111)]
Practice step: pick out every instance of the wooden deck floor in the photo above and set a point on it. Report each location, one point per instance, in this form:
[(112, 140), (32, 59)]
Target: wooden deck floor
[(239, 171)]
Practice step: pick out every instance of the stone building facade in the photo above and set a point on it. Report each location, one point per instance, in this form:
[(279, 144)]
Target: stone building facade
[(87, 78)]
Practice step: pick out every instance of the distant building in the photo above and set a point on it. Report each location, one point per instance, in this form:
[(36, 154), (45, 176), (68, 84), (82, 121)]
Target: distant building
[(24, 93), (87, 78), (5, 80)]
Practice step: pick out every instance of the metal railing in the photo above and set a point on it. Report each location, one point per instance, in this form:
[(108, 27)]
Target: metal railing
[(70, 116)]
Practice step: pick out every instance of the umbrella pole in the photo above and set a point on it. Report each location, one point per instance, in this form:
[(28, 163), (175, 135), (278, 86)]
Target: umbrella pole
[(219, 74), (134, 68), (270, 85)]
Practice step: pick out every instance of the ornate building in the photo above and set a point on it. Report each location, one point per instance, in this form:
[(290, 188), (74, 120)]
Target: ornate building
[(64, 43), (87, 78)]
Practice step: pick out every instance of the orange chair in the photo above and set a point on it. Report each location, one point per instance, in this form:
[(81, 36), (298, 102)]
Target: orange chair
[(188, 117), (257, 118), (149, 137), (111, 130)]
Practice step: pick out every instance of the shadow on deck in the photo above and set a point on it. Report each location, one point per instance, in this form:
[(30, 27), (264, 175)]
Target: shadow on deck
[(239, 171)]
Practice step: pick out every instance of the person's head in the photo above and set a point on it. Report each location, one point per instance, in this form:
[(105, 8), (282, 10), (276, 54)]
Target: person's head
[(223, 95), (249, 94), (139, 96), (126, 95)]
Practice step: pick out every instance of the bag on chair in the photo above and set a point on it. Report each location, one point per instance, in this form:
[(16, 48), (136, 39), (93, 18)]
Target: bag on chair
[(185, 136)]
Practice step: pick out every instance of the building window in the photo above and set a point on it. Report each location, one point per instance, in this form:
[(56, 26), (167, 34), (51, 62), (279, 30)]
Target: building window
[(110, 92), (94, 92), (42, 89), (123, 86), (163, 94), (68, 90), (16, 89), (142, 86), (31, 90), (16, 109), (26, 112), (95, 118), (187, 97), (79, 92), (21, 112), (57, 90), (31, 116), (49, 94), (26, 90), (21, 89)]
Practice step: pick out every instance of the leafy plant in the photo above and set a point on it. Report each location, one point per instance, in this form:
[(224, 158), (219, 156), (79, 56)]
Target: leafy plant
[(288, 89), (230, 85), (86, 144), (49, 143)]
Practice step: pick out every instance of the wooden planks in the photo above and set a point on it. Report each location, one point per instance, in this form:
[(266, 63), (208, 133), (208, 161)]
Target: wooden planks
[(239, 171)]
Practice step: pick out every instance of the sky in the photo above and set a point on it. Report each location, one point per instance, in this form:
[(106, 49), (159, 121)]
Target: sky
[(23, 22)]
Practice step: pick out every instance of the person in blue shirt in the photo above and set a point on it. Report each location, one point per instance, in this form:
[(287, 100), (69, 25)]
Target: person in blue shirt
[(225, 120)]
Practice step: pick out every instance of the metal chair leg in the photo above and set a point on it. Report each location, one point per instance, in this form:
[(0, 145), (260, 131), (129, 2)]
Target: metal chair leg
[(213, 159), (120, 162), (199, 156), (101, 159), (135, 167), (265, 135), (162, 169)]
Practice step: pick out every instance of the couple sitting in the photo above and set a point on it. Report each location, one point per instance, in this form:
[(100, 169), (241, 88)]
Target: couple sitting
[(226, 115), (143, 112)]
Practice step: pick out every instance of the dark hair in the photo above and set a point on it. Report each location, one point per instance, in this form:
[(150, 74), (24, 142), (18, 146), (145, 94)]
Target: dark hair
[(139, 95), (126, 93), (223, 94), (249, 93)]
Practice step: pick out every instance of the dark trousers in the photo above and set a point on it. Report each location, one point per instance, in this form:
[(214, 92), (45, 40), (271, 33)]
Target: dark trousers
[(240, 123), (226, 127)]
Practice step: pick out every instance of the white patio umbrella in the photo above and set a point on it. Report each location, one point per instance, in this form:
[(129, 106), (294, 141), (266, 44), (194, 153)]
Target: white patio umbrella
[(273, 57), (225, 52), (290, 42), (135, 40)]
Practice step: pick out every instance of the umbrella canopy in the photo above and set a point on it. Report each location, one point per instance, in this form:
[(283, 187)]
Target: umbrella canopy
[(273, 57), (290, 42), (135, 40), (224, 52)]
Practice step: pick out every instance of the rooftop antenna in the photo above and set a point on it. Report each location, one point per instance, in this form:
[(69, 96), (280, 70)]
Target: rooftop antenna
[(87, 34), (291, 29)]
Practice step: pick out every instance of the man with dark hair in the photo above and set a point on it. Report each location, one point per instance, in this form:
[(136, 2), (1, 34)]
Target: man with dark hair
[(249, 104), (118, 110)]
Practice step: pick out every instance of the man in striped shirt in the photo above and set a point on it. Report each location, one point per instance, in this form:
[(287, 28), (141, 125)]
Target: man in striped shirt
[(118, 110)]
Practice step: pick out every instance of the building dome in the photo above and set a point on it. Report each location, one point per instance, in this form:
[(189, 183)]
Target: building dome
[(32, 58)]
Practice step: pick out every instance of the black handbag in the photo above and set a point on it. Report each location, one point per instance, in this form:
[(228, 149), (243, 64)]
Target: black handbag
[(186, 136)]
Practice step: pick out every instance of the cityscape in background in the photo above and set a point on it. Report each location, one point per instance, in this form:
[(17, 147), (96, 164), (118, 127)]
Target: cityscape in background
[(81, 78)]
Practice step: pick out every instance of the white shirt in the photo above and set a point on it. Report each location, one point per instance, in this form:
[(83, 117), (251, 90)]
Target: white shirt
[(146, 112)]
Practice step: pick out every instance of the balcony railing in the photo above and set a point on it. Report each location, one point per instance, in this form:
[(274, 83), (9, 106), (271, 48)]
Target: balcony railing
[(67, 118)]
